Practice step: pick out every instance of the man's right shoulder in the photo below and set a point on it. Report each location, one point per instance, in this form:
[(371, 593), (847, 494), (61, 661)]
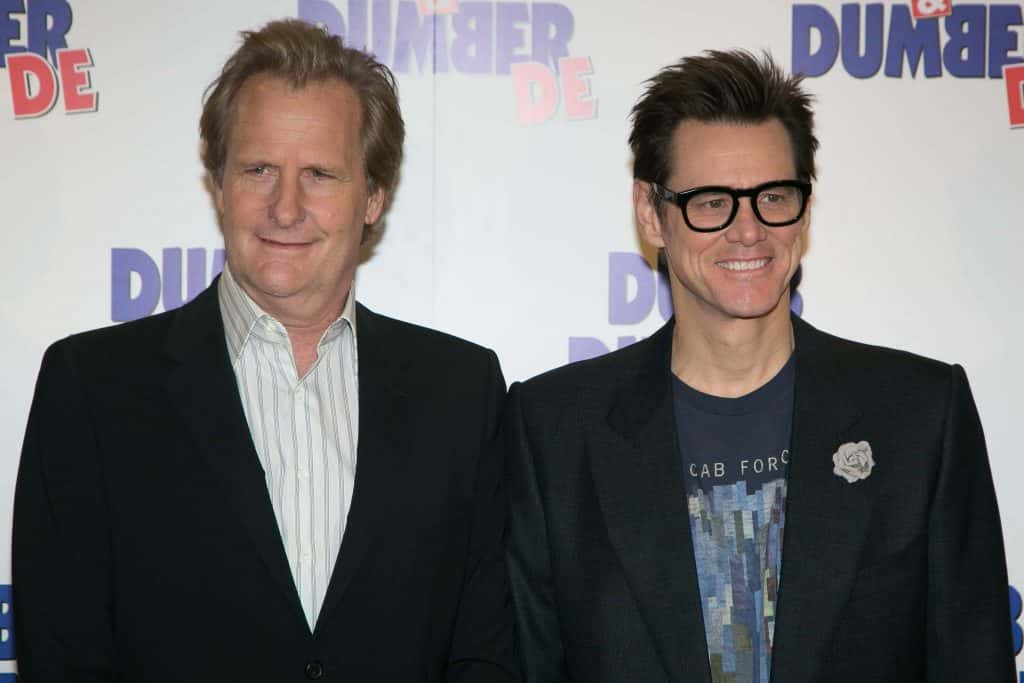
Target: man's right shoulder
[(599, 374), (123, 344)]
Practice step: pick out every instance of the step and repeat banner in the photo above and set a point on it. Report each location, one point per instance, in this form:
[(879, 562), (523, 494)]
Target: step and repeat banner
[(512, 225)]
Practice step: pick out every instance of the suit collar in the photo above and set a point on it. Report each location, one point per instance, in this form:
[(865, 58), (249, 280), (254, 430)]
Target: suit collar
[(203, 390), (826, 518), (639, 481), (386, 413), (643, 386)]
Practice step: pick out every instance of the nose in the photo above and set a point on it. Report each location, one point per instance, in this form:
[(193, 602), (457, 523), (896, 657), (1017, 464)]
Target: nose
[(745, 228), (287, 205)]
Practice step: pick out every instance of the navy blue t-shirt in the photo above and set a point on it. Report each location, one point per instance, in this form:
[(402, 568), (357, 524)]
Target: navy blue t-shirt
[(735, 452)]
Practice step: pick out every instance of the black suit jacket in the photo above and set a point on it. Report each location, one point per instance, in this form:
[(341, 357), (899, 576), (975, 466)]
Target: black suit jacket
[(899, 577), (146, 548)]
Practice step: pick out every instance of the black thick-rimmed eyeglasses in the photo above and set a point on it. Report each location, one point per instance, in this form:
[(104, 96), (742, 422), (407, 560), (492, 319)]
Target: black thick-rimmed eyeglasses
[(709, 208)]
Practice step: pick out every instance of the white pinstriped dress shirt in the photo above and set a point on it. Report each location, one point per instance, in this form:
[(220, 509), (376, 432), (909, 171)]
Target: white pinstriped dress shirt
[(305, 430)]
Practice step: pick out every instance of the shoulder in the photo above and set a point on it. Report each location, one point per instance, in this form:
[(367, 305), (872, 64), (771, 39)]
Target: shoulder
[(878, 377), (605, 374), (860, 353), (128, 351), (147, 337), (112, 344), (99, 364), (434, 355), (384, 328)]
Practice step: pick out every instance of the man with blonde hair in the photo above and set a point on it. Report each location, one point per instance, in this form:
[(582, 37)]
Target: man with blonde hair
[(271, 483)]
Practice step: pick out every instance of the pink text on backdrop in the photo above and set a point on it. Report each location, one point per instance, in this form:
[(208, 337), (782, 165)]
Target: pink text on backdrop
[(44, 66), (437, 6), (540, 89), (35, 83), (929, 9), (1013, 76)]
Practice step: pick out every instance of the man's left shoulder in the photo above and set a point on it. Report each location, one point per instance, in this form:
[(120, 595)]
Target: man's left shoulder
[(878, 368), (426, 347)]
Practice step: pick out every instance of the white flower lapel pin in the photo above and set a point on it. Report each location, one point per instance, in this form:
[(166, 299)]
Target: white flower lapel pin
[(853, 461)]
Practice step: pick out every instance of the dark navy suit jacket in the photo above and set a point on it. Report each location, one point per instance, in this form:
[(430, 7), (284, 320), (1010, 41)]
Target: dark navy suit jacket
[(898, 577), (146, 548)]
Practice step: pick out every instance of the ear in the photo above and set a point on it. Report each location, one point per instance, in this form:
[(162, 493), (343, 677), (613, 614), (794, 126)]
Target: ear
[(646, 212), (374, 207)]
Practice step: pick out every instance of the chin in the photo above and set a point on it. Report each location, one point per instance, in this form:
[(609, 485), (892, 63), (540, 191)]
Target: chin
[(760, 307), (269, 285)]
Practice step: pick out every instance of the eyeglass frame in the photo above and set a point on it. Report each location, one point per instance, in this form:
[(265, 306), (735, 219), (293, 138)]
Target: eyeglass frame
[(680, 199)]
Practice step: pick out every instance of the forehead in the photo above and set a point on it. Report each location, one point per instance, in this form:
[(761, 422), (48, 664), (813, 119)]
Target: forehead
[(733, 154), (269, 109)]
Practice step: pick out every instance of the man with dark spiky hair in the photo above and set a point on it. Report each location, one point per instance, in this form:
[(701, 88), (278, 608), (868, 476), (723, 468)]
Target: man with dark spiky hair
[(271, 483), (741, 497)]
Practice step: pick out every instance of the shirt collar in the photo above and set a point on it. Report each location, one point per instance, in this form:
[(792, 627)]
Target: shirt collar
[(242, 317)]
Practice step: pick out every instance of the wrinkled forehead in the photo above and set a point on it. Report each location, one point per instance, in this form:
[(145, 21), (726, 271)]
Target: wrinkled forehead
[(270, 106)]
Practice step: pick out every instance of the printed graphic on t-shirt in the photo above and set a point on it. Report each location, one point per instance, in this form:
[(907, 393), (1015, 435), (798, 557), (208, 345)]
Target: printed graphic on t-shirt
[(737, 543)]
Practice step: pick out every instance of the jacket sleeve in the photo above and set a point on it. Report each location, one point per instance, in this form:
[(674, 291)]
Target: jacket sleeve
[(969, 637), (482, 645), (537, 626), (61, 550)]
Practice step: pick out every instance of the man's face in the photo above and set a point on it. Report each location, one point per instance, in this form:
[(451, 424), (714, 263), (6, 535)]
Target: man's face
[(294, 196), (744, 270)]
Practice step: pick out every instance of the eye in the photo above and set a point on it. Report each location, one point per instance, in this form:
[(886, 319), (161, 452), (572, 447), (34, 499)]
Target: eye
[(711, 203), (781, 195), (256, 170), (320, 174)]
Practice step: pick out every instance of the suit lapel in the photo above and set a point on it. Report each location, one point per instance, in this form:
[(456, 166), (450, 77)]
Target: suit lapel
[(638, 477), (826, 518), (385, 414), (203, 390)]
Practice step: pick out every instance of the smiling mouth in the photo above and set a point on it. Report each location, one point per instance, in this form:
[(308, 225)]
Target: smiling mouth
[(284, 245), (743, 265)]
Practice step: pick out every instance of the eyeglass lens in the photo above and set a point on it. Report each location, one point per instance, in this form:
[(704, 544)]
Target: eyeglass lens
[(776, 204)]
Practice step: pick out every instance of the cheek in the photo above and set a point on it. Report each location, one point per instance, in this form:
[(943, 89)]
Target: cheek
[(793, 244), (338, 217), (699, 249), (230, 204)]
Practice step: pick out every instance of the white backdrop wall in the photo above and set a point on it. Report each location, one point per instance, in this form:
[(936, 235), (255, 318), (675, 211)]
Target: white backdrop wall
[(512, 225)]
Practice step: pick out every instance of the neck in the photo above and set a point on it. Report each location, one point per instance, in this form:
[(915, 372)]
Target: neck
[(305, 318), (305, 329), (732, 357), (304, 341)]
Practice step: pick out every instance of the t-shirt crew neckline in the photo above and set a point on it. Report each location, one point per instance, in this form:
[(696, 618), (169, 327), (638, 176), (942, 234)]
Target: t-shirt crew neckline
[(757, 400)]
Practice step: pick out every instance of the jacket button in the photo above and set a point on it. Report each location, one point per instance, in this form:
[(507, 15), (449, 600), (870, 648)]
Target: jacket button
[(314, 670)]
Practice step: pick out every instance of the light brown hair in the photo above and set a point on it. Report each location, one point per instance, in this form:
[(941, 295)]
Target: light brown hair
[(301, 53)]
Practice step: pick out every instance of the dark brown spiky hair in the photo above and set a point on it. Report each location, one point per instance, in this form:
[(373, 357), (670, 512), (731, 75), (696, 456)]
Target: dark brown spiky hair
[(733, 86)]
